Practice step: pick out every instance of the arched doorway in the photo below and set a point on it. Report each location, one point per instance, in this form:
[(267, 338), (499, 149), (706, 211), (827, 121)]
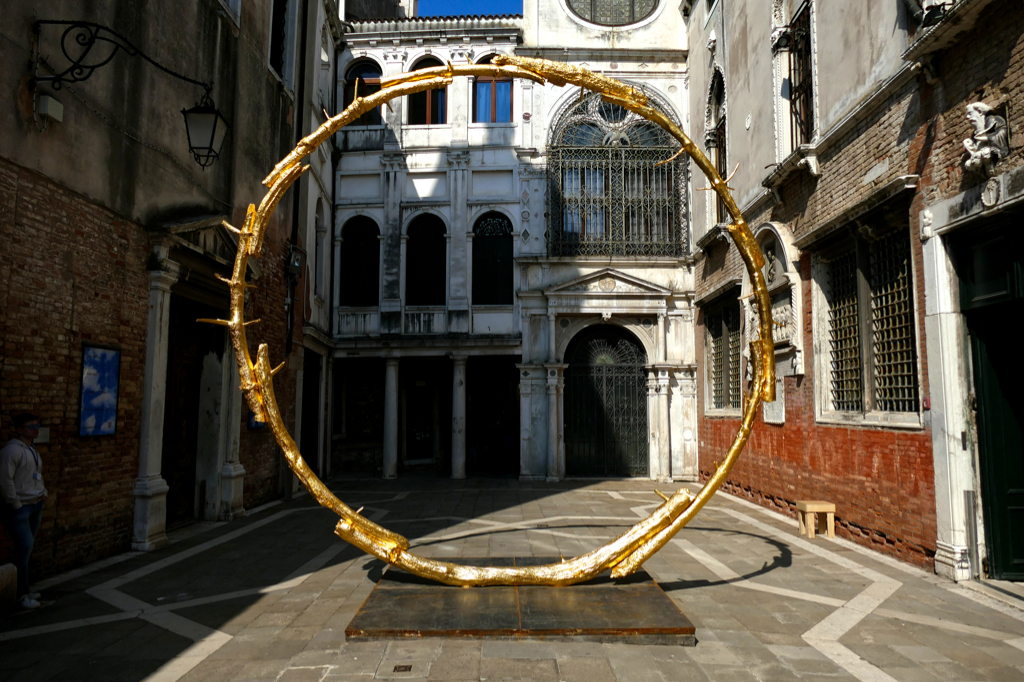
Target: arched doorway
[(606, 404)]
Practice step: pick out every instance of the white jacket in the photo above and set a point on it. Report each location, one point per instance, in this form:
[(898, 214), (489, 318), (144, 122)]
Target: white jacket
[(21, 474)]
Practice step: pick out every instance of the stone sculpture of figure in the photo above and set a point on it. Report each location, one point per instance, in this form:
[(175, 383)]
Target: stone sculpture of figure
[(990, 141)]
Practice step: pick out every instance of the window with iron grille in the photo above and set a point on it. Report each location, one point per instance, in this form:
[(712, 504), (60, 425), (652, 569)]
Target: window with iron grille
[(606, 193), (872, 356), (801, 89), (613, 12), (722, 350)]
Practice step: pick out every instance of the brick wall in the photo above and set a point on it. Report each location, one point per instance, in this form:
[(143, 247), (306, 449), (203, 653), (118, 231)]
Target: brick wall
[(72, 272)]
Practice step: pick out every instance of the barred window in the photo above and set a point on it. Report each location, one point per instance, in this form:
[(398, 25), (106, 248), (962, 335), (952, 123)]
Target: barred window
[(872, 353), (613, 12), (607, 195), (801, 90), (722, 350)]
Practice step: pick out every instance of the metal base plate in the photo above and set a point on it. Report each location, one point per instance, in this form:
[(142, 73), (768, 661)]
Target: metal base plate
[(633, 610)]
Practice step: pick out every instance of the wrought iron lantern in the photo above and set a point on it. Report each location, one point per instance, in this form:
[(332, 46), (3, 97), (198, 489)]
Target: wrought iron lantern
[(206, 130), (205, 125)]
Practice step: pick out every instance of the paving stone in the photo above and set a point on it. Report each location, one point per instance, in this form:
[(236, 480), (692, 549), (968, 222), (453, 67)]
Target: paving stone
[(303, 674), (504, 649), (299, 633), (456, 666), (495, 669), (714, 653), (585, 670)]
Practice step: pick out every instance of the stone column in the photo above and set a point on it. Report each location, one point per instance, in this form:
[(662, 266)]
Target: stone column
[(552, 390), (150, 490), (551, 338), (459, 417), (662, 338), (458, 255), (525, 432), (392, 244), (391, 418), (664, 430), (232, 474)]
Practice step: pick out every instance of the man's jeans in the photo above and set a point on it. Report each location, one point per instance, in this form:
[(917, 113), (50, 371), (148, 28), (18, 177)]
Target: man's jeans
[(21, 526)]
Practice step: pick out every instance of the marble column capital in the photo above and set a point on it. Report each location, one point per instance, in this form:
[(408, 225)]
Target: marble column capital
[(164, 278)]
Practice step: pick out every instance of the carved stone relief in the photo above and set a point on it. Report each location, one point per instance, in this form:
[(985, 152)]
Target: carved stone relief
[(989, 141)]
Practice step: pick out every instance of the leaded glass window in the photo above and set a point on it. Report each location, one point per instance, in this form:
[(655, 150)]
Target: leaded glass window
[(613, 12), (607, 194)]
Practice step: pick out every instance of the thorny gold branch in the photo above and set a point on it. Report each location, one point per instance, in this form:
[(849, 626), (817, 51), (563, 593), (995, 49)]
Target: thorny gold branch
[(630, 550)]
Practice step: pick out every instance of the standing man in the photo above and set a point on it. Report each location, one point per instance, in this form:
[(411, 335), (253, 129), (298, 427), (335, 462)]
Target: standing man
[(23, 492)]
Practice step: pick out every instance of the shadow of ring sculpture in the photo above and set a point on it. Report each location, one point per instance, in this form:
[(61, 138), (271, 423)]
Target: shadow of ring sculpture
[(625, 554)]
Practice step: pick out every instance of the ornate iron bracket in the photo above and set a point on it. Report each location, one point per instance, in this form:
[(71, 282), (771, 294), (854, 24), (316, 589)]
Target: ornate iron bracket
[(89, 46)]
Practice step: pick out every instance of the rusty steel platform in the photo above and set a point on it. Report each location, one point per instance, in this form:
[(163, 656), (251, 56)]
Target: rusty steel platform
[(633, 610)]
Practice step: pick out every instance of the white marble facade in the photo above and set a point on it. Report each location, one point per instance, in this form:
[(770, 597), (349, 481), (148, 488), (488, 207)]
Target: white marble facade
[(459, 170)]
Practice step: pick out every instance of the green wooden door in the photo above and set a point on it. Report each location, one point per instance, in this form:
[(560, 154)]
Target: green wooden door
[(991, 267), (998, 377)]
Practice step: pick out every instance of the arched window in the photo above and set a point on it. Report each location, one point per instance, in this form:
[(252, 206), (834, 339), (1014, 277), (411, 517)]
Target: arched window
[(319, 250), (425, 261), (613, 12), (430, 106), (608, 196), (716, 140), (492, 260), (362, 79), (359, 263), (492, 98)]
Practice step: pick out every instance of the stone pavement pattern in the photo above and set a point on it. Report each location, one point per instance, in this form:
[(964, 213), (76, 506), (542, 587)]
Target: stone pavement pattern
[(268, 598)]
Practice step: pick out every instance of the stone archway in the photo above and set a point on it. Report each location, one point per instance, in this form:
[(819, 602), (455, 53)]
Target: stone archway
[(605, 404)]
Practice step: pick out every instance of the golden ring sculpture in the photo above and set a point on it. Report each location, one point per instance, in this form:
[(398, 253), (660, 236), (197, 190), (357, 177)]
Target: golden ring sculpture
[(623, 555)]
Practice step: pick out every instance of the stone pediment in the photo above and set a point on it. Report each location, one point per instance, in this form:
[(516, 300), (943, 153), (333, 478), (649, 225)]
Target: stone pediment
[(608, 283), (205, 236)]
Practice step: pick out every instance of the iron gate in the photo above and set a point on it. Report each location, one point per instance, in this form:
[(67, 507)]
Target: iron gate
[(606, 405)]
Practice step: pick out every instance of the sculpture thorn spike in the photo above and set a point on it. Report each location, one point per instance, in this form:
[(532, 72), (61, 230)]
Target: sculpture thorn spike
[(662, 495), (248, 322), (206, 320), (360, 509), (231, 227), (278, 368)]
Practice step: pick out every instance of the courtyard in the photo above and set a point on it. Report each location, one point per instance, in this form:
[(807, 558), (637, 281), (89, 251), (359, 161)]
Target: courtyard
[(268, 597)]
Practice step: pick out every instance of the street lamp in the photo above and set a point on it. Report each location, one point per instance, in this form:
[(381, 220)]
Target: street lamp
[(204, 124), (206, 130)]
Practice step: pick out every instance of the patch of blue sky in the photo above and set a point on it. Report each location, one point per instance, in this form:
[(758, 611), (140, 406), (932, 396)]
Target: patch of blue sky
[(451, 8)]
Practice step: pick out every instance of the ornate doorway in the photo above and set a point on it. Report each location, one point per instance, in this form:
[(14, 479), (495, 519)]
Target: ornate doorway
[(606, 404)]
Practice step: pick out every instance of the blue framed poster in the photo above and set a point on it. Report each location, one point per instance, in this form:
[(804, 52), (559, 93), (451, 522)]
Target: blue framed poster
[(101, 369)]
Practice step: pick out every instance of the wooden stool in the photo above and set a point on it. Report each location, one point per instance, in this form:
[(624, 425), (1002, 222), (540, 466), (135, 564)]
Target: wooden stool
[(806, 512)]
